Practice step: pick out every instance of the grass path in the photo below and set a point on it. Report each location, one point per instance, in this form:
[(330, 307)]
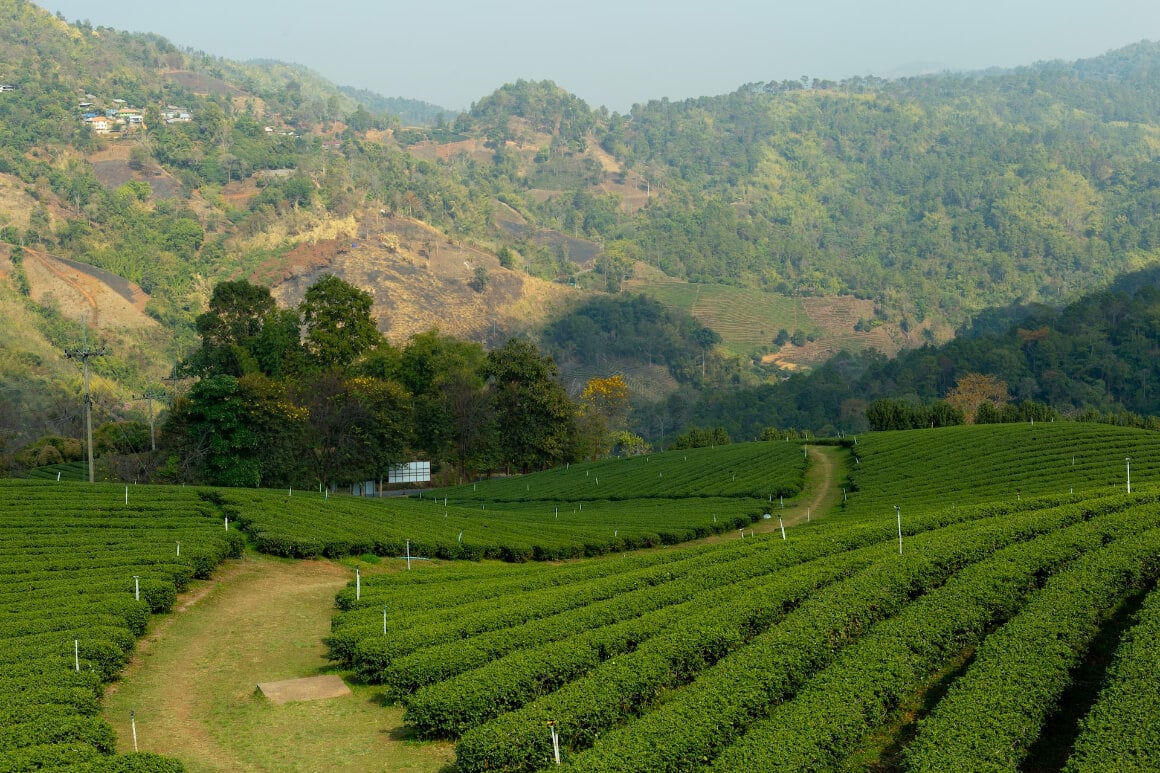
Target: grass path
[(821, 492), (820, 495), (192, 681)]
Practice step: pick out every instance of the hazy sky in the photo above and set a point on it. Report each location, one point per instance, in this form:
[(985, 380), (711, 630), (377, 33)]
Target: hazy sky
[(618, 52)]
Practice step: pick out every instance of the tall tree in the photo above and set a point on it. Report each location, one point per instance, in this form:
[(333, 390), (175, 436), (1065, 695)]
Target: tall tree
[(339, 325), (974, 390), (230, 329), (451, 406), (383, 423), (236, 432), (536, 420)]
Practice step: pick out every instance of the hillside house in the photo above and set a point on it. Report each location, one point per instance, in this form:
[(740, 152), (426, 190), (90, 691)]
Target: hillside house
[(5, 87)]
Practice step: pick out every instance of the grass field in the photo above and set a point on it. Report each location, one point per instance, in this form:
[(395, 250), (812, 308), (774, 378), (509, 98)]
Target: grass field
[(192, 682), (746, 319)]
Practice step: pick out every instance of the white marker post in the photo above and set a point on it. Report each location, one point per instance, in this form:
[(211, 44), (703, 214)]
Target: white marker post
[(77, 655), (408, 555), (133, 724), (1128, 461), (179, 548), (807, 515), (227, 523), (555, 741), (126, 495), (136, 587), (898, 512), (384, 621), (782, 526), (357, 584)]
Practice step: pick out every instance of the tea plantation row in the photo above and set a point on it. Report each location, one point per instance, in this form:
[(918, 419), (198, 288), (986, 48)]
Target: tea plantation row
[(81, 571), (751, 470), (961, 465), (760, 653)]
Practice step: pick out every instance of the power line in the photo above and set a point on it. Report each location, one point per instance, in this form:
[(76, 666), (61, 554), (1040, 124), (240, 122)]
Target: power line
[(150, 396), (84, 354)]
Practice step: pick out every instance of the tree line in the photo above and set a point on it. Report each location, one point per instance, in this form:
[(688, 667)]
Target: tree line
[(316, 393)]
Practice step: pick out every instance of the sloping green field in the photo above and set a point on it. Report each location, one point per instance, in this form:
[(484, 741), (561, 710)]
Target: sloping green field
[(1008, 620), (811, 652), (745, 318), (936, 468)]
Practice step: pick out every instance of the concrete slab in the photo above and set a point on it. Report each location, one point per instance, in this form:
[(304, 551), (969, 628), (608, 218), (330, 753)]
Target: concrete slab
[(311, 688)]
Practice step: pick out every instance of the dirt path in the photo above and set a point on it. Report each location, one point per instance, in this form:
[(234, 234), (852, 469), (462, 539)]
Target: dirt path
[(819, 496), (820, 493), (192, 682)]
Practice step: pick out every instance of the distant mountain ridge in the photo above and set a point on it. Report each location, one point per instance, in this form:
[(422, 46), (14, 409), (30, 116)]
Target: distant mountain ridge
[(412, 112), (927, 199)]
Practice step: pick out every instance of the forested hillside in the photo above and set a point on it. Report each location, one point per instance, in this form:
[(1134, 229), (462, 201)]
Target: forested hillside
[(922, 202), (1095, 358)]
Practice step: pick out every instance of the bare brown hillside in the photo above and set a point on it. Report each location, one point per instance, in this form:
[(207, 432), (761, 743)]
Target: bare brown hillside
[(420, 279), (78, 290)]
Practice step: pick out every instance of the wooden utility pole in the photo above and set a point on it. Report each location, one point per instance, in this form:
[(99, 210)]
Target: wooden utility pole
[(173, 379), (84, 354), (149, 397)]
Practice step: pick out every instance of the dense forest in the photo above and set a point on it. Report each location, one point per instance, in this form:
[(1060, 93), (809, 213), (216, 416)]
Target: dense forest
[(338, 403), (1095, 356)]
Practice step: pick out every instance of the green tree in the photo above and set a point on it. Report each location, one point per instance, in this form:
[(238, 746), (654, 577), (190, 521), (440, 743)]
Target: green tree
[(230, 329), (536, 419), (236, 432), (451, 406), (383, 425), (338, 321)]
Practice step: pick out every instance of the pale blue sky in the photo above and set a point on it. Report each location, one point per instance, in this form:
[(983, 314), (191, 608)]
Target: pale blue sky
[(616, 53)]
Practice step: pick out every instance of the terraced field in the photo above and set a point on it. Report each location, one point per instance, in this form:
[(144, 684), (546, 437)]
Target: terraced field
[(1005, 621), (799, 653), (82, 568)]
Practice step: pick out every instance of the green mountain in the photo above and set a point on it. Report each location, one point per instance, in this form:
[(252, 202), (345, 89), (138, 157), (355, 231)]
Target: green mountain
[(855, 215), (1094, 358), (411, 112)]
